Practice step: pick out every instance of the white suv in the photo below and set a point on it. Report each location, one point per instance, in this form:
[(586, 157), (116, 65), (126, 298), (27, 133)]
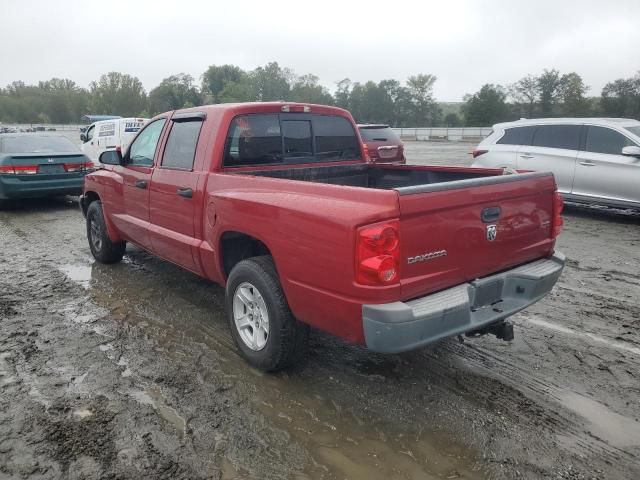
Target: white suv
[(594, 160)]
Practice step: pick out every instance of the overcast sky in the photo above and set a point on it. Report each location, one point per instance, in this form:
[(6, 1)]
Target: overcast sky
[(464, 43)]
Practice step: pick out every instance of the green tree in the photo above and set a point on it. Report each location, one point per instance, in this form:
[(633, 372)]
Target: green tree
[(307, 89), (370, 103), (549, 87), (272, 82), (176, 91), (452, 120), (572, 92), (485, 107), (118, 94), (218, 77), (426, 111), (621, 98), (524, 93), (343, 93)]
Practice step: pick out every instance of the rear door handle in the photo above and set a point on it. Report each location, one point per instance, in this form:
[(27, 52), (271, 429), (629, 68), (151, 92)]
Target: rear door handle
[(588, 164), (526, 155), (141, 183), (185, 192)]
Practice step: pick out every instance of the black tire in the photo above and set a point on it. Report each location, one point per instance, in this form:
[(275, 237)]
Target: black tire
[(102, 248), (287, 338)]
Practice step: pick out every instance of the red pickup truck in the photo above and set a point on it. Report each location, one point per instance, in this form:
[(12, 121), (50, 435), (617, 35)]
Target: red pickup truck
[(277, 202)]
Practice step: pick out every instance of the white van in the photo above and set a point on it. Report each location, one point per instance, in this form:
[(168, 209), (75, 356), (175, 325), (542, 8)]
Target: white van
[(110, 134)]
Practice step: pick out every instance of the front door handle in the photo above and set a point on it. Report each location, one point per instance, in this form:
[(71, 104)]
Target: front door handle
[(526, 155), (141, 183), (588, 164), (185, 192)]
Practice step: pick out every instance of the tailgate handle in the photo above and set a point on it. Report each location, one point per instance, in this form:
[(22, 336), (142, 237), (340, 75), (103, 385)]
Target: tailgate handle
[(491, 214)]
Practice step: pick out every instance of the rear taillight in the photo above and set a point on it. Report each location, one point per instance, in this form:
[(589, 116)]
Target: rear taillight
[(7, 169), (378, 254), (78, 167), (476, 153), (557, 221), (365, 152)]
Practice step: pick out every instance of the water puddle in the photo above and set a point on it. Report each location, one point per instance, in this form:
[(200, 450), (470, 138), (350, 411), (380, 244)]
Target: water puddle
[(81, 274), (153, 397), (617, 430)]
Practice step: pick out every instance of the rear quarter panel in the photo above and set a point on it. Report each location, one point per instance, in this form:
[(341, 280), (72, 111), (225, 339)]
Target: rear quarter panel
[(310, 230)]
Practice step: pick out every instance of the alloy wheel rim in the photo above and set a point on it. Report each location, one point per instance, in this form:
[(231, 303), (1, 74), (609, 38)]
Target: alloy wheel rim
[(251, 316), (96, 234)]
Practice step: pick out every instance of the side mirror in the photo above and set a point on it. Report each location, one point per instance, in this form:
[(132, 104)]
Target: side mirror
[(83, 137), (631, 151), (111, 157)]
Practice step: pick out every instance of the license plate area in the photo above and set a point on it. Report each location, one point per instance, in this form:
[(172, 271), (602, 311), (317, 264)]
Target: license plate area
[(51, 169), (387, 152)]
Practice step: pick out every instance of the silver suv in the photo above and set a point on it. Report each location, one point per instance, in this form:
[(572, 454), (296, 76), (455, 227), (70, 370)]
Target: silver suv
[(594, 160)]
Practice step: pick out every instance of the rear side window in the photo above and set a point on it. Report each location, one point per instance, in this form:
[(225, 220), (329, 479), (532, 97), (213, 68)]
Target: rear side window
[(253, 140), (557, 136), (335, 138), (517, 136), (272, 139), (181, 145), (605, 140)]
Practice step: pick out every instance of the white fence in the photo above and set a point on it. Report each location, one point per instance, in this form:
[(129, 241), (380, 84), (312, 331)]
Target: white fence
[(450, 134), (46, 126)]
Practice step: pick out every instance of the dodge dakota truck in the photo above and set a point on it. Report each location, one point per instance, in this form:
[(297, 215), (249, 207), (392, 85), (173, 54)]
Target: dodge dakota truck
[(277, 202)]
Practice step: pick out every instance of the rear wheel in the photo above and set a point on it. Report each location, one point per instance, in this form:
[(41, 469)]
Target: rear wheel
[(262, 325), (102, 248)]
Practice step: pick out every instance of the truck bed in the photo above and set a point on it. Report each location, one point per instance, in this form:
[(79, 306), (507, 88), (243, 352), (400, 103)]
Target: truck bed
[(401, 177)]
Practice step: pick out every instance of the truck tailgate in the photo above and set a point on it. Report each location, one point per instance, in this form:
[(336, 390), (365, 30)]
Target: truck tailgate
[(458, 231)]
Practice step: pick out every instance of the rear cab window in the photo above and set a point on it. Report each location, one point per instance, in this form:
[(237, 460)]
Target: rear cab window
[(272, 139)]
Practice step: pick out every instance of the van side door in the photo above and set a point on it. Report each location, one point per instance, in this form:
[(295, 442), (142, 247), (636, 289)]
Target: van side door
[(602, 171), (175, 200), (554, 148)]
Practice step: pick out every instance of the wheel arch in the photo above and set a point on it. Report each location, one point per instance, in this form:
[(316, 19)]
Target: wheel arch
[(235, 246)]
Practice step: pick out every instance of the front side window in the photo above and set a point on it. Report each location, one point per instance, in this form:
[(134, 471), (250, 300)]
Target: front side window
[(90, 131), (557, 136), (143, 148), (181, 146), (634, 130), (517, 136), (605, 140)]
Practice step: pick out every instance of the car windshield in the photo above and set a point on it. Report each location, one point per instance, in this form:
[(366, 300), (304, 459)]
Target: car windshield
[(634, 130), (36, 144), (378, 134)]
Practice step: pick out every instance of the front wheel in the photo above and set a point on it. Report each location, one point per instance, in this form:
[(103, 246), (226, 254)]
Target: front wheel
[(102, 248), (262, 325)]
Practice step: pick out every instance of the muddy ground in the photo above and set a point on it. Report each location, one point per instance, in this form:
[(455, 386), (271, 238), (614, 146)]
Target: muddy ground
[(128, 371)]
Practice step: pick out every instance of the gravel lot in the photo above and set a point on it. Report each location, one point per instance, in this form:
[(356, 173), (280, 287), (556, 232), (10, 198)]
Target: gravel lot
[(127, 371)]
